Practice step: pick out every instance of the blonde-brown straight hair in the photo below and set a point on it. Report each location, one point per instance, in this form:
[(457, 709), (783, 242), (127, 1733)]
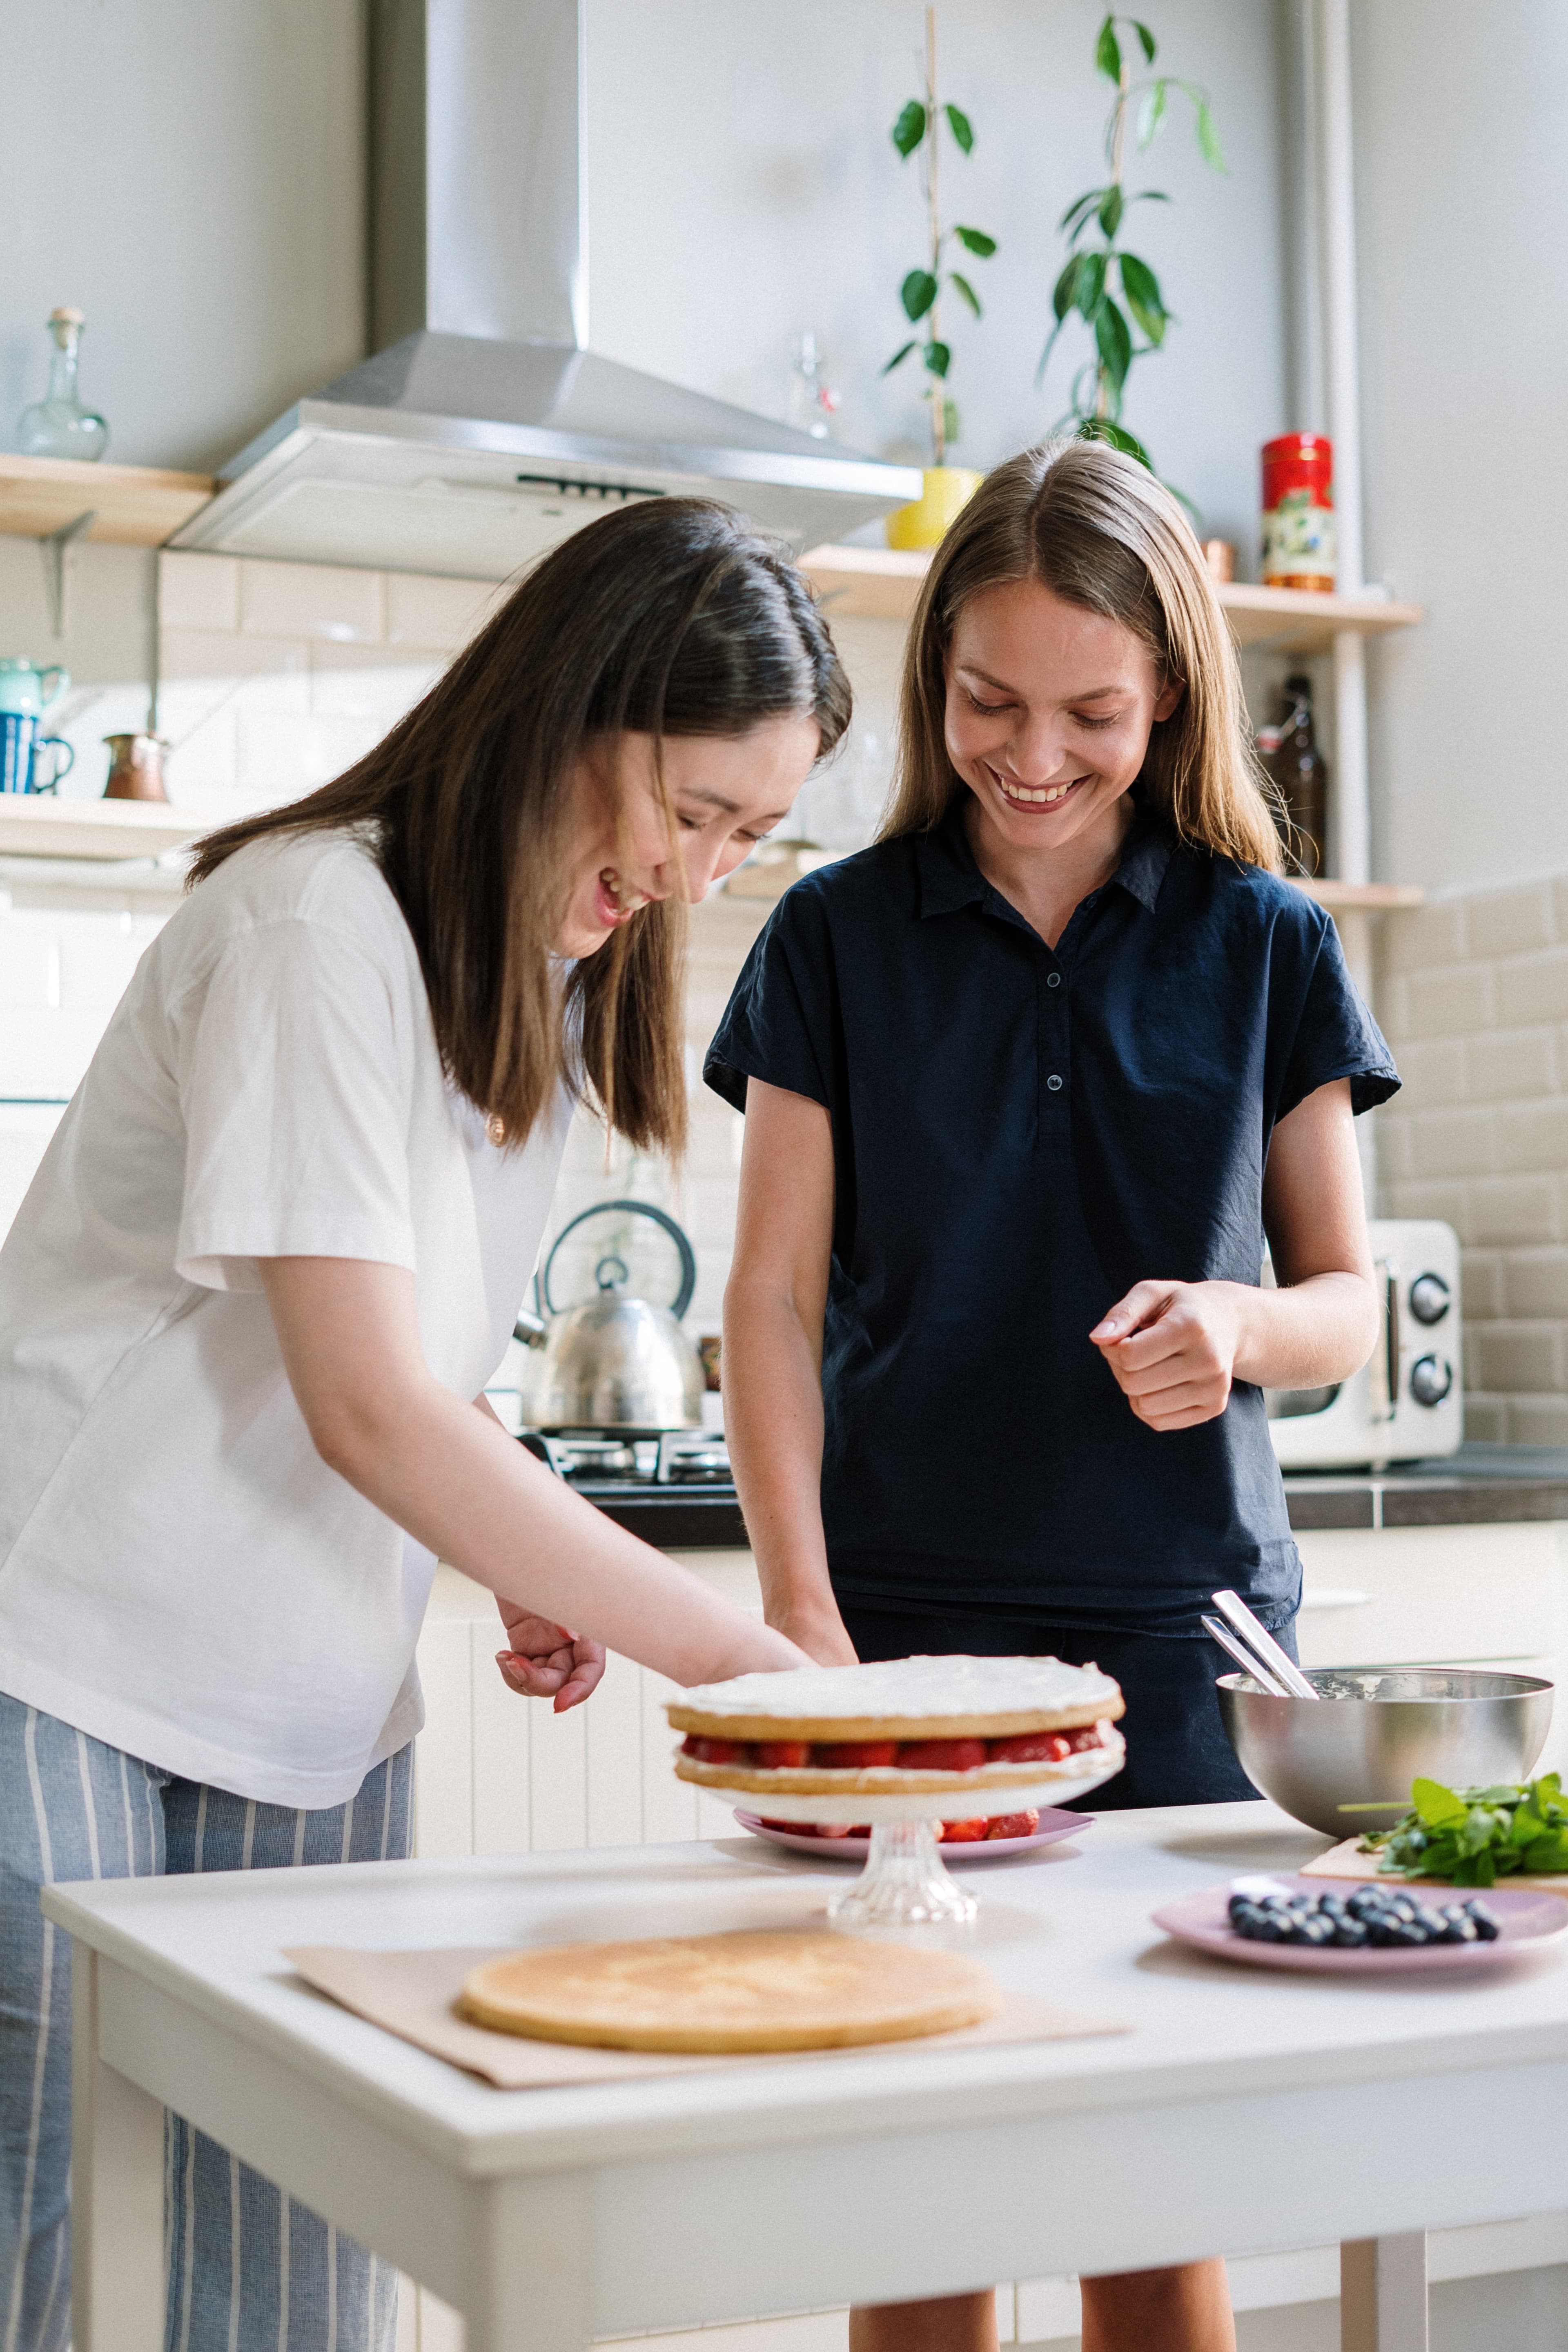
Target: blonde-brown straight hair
[(1097, 529), (665, 619)]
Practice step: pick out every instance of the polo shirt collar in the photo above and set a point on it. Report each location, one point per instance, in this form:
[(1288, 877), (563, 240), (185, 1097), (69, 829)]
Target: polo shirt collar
[(949, 877)]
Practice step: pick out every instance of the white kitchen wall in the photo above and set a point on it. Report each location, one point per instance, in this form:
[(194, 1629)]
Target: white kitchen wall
[(792, 209), (192, 177), (1462, 208)]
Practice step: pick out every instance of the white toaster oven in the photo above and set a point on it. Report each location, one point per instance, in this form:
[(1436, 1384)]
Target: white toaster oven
[(1408, 1402)]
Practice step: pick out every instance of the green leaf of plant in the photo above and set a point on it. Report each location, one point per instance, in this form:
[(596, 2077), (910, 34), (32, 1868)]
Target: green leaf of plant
[(1438, 1807), (1089, 287), (1108, 51), (1105, 429), (958, 122), (937, 358), (916, 293), (1045, 354), (909, 129), (1150, 111), (901, 354), (956, 278), (976, 240), (1110, 212), (1141, 288), (1114, 338), (1147, 37), (1149, 196), (1065, 291), (1209, 137), (1073, 219)]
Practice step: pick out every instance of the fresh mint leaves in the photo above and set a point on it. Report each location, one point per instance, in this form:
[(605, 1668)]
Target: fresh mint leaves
[(1473, 1837)]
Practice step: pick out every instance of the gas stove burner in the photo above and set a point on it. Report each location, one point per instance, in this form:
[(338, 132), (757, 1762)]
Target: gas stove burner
[(597, 1460)]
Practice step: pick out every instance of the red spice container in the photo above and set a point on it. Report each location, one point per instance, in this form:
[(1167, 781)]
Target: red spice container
[(1298, 512)]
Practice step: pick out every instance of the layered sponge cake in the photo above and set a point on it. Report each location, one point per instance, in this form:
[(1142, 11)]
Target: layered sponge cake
[(960, 1726)]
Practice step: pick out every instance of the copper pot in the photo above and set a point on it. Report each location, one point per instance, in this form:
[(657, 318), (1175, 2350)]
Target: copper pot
[(135, 768)]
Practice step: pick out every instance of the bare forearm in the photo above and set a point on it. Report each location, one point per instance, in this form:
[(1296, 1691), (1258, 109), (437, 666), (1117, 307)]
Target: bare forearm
[(453, 1478), (1316, 1332), (773, 1420)]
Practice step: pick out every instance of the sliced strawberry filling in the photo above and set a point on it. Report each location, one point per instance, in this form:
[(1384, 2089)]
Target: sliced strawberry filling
[(911, 1755), (999, 1825)]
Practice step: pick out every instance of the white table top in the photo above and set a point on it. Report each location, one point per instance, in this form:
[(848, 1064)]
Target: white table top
[(1072, 1924)]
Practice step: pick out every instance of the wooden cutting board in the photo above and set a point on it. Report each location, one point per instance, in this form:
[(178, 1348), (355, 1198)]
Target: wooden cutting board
[(1347, 1861), (749, 1988)]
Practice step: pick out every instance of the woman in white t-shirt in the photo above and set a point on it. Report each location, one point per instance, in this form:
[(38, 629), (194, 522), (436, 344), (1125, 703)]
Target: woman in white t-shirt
[(274, 1252)]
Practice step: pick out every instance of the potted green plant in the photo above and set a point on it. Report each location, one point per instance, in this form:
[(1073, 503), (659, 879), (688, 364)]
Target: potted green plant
[(1099, 269), (918, 131)]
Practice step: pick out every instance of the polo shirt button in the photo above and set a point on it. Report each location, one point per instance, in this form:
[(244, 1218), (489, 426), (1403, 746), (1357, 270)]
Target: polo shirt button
[(1054, 1084), (1053, 979)]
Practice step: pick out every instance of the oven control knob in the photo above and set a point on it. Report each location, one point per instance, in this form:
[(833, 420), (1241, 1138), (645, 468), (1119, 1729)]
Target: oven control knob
[(1431, 1377), (1430, 1298)]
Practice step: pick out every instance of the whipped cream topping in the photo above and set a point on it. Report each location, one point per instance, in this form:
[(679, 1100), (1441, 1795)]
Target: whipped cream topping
[(909, 1686)]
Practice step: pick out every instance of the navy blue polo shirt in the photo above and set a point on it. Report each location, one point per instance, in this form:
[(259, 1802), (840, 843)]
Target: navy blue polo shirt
[(1019, 1135)]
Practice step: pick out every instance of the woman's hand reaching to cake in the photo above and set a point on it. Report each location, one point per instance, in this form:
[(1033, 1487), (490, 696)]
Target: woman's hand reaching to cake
[(543, 1660)]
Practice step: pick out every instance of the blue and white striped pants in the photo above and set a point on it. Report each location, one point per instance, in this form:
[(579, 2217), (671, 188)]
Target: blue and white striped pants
[(249, 2270)]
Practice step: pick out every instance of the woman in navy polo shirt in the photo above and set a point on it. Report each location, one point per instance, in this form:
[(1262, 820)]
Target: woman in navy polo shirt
[(1026, 1084)]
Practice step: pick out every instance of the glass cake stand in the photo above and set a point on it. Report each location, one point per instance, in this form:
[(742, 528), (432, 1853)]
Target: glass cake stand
[(905, 1883)]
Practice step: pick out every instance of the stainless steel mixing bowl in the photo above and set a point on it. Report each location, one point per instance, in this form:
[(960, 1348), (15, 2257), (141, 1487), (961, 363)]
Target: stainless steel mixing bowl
[(1376, 1728)]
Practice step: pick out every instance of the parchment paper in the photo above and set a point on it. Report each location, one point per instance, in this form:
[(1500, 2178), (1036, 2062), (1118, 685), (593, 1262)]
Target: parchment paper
[(411, 1994)]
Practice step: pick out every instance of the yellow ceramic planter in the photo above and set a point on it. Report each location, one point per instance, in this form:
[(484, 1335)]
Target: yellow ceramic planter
[(946, 489)]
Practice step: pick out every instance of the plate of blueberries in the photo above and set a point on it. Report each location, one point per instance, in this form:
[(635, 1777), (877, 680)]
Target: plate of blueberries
[(1364, 1929)]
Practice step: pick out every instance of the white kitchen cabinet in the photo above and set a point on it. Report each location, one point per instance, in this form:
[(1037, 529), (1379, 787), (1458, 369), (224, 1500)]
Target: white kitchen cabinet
[(495, 1773), (1472, 1595)]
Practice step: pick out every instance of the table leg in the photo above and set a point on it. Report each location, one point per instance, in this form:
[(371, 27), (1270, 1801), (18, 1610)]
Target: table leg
[(531, 2289), (1382, 2293), (116, 2192)]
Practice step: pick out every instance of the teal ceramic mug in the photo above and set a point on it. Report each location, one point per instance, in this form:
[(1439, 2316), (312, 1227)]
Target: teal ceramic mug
[(29, 688)]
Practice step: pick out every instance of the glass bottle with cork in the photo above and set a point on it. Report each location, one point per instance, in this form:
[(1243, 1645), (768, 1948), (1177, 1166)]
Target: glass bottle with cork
[(60, 425), (1301, 777)]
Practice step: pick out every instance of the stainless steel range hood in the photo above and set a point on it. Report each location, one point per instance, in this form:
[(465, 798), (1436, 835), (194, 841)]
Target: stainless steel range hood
[(483, 431)]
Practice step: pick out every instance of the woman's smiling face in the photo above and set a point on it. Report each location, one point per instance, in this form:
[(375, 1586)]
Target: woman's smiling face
[(1049, 714), (726, 793)]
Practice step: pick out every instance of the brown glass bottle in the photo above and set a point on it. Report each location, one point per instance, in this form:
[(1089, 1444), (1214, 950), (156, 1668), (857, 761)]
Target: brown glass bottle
[(1300, 772)]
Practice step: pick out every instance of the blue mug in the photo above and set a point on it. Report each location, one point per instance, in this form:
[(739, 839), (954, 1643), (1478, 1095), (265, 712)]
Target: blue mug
[(52, 753), (21, 770)]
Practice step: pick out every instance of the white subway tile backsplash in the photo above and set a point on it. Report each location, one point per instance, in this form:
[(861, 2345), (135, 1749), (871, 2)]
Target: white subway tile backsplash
[(97, 961), (1510, 922), (203, 766), (1475, 1002), (30, 970), (198, 592), (379, 683), (225, 656), (1532, 987), (443, 612), (312, 600)]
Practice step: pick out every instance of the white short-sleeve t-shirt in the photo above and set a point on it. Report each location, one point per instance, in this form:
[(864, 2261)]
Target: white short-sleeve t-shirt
[(181, 1574)]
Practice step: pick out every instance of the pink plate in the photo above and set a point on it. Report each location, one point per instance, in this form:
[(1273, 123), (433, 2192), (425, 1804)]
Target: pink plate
[(1528, 1920), (1055, 1823)]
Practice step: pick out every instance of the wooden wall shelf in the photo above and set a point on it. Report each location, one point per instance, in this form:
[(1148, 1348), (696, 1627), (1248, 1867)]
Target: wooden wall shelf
[(42, 826), (882, 584), (131, 506), (1362, 898)]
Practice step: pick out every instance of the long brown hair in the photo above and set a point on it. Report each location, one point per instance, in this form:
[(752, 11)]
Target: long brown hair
[(666, 619), (1099, 531)]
